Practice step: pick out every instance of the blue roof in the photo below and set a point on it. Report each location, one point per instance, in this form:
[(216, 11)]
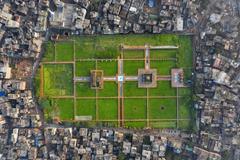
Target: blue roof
[(151, 3)]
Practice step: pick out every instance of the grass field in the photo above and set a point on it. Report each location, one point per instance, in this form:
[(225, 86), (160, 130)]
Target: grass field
[(49, 54), (163, 67), (84, 90), (84, 68), (101, 52), (86, 107), (162, 108), (64, 51), (58, 82), (131, 54), (109, 90), (131, 89), (109, 67), (108, 106), (58, 108), (135, 109), (131, 67), (162, 54), (164, 89)]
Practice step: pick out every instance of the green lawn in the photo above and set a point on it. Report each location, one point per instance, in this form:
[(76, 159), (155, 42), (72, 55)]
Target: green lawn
[(164, 89), (62, 108), (109, 90), (65, 107), (49, 54), (95, 47), (84, 47), (131, 89), (135, 109), (162, 124), (64, 51), (131, 54), (163, 67), (84, 90), (185, 107), (171, 53), (84, 68), (185, 52), (131, 67), (58, 79), (109, 67), (107, 46), (86, 107), (186, 124), (187, 73), (138, 125), (185, 92), (108, 109), (162, 109)]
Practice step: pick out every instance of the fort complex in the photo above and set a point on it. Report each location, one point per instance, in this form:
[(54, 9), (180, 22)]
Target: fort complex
[(139, 86)]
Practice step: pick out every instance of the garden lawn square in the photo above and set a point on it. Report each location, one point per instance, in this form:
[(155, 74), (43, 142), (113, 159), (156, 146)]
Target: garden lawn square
[(83, 68), (131, 67), (135, 109), (163, 67), (108, 109), (131, 90), (162, 109), (186, 92), (185, 107), (109, 67), (49, 54), (58, 79), (163, 89), (84, 90), (64, 108), (64, 51), (110, 89), (86, 107)]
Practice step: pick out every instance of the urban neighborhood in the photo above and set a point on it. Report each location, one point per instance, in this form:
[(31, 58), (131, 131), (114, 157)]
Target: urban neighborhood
[(120, 79)]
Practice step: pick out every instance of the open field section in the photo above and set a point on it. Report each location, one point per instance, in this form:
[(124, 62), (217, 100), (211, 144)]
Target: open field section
[(83, 68), (133, 54), (58, 79), (109, 67), (131, 67), (135, 109), (164, 54), (131, 89), (58, 108), (86, 107), (108, 46), (164, 89), (108, 109), (64, 51), (84, 90), (162, 109), (49, 52), (110, 90), (185, 57), (163, 67)]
